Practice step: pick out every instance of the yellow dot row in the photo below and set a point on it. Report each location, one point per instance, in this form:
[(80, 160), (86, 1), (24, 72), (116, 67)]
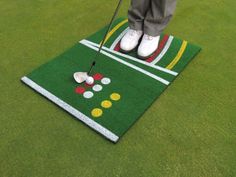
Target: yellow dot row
[(97, 112), (106, 104), (115, 96)]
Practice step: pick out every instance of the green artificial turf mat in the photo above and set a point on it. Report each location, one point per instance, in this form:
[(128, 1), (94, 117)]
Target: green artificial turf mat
[(124, 87), (188, 131)]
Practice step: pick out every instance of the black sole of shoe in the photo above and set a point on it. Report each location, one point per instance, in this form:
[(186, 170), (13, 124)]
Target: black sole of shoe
[(144, 58), (127, 52)]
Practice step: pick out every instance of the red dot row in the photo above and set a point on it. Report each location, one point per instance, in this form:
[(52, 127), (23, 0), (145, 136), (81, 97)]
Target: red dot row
[(82, 89)]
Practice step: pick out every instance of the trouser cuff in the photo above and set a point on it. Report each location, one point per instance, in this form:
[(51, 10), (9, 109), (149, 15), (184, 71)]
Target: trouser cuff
[(136, 25), (152, 31)]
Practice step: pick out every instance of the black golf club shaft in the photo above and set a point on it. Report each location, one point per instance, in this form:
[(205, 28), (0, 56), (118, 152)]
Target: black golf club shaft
[(105, 36)]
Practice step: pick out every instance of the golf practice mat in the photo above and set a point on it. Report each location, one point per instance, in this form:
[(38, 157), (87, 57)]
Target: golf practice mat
[(124, 87)]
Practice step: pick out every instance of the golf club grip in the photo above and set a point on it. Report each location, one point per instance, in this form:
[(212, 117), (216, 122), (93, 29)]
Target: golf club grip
[(105, 36)]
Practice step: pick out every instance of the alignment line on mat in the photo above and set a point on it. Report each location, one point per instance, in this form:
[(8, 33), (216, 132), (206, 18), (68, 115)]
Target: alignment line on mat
[(107, 133), (163, 52), (118, 39), (178, 56), (128, 64), (115, 29), (132, 58)]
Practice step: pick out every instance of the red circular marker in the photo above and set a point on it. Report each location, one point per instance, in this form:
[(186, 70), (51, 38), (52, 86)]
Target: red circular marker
[(80, 90), (97, 76)]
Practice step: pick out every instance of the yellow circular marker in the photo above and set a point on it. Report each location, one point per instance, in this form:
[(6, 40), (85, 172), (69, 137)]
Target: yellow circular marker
[(115, 96), (106, 104), (96, 112)]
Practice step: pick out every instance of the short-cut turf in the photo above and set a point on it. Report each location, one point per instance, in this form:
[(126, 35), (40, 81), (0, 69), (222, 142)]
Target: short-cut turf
[(189, 131)]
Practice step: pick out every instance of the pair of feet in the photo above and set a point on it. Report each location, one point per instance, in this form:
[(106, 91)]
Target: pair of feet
[(147, 46)]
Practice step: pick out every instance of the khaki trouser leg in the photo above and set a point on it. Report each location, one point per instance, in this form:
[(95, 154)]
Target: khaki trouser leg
[(151, 16), (137, 13)]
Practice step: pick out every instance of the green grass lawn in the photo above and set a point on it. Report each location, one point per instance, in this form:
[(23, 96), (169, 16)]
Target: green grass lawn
[(189, 131)]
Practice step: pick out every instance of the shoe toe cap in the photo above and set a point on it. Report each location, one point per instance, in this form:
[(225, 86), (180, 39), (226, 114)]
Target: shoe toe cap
[(144, 52), (127, 45)]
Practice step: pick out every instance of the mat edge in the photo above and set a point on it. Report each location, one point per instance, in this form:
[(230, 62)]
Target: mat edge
[(79, 115)]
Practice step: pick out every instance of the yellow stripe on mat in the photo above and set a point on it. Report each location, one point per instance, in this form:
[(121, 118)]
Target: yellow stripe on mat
[(115, 29), (178, 56)]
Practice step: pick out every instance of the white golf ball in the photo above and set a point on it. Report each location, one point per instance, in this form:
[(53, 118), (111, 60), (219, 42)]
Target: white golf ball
[(90, 80)]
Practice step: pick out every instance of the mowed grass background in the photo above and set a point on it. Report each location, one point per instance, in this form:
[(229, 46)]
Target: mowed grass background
[(189, 131)]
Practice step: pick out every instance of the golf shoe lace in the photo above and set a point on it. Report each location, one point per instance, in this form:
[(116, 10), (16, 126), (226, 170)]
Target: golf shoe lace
[(133, 32), (147, 37)]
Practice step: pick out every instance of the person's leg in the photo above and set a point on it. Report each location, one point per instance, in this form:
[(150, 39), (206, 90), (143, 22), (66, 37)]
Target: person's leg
[(158, 16), (137, 13)]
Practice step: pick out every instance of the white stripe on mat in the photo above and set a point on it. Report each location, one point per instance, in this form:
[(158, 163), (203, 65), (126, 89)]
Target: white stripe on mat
[(118, 39), (163, 52), (132, 58), (107, 133), (128, 64)]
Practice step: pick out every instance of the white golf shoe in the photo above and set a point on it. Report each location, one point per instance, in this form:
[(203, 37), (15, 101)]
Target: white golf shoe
[(130, 40), (148, 46)]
